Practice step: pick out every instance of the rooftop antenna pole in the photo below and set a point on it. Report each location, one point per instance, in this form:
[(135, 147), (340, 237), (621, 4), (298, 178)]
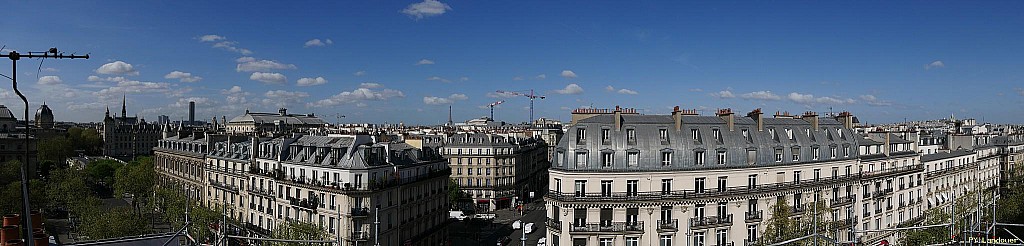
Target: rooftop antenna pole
[(15, 56)]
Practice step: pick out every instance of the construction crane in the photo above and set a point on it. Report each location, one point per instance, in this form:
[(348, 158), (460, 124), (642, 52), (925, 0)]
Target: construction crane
[(523, 93), (492, 107)]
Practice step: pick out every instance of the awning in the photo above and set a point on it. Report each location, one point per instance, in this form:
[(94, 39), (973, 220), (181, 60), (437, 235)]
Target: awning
[(931, 201), (483, 201)]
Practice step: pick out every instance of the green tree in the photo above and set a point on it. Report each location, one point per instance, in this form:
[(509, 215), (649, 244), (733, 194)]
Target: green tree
[(816, 214), (67, 188), (103, 171), (56, 149), (780, 227), (87, 140), (112, 223), (174, 206), (135, 179), (934, 235), (296, 230), (454, 194)]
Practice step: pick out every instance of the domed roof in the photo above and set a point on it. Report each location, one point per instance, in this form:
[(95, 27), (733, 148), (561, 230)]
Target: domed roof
[(5, 113), (44, 111)]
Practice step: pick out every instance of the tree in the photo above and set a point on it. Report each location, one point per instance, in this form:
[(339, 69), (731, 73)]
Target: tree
[(816, 215), (780, 227), (112, 223), (135, 179), (934, 235), (454, 193), (103, 171), (56, 149), (297, 230), (67, 188), (87, 140)]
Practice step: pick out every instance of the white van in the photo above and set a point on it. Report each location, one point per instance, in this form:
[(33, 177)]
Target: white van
[(459, 215)]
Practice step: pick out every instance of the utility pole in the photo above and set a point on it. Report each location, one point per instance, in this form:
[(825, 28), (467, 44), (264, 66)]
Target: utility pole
[(15, 56), (522, 223), (376, 225)]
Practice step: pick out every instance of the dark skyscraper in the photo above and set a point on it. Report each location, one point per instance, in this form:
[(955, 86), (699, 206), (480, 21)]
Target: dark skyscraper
[(191, 112)]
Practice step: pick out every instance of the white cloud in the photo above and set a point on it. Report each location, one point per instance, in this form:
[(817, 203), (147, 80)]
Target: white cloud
[(874, 101), (211, 38), (424, 62), (934, 64), (49, 80), (696, 90), (183, 76), (811, 99), (627, 91), (235, 96), (569, 74), (571, 89), (282, 98), (436, 78), (541, 76), (49, 69), (723, 94), (464, 78), (609, 88), (432, 100), (231, 46), (370, 85), (500, 95), (234, 89), (249, 64), (761, 95), (270, 78), (357, 96), (317, 43), (125, 85), (311, 81), (359, 73), (427, 8), (117, 67), (94, 78), (517, 78)]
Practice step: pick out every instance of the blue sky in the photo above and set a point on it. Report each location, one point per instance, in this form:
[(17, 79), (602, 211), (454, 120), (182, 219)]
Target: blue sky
[(406, 61)]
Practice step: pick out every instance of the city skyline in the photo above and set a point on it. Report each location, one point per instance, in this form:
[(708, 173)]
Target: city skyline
[(407, 61)]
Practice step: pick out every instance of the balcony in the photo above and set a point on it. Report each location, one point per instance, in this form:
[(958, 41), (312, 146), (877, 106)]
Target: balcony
[(310, 204), (798, 209), (636, 227), (725, 244), (261, 192), (668, 225), (867, 213), (274, 174), (256, 229), (710, 222), (223, 186), (753, 216), (359, 212), (842, 201), (694, 194), (553, 224), (749, 242), (359, 236), (844, 223)]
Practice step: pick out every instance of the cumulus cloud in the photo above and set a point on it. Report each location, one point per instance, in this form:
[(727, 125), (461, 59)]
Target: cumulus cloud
[(571, 89), (370, 85), (249, 64), (436, 78), (811, 99), (359, 73), (235, 96), (269, 78), (234, 89), (517, 78), (934, 64), (432, 100), (500, 95), (117, 68), (427, 8), (311, 81), (569, 74), (317, 43), (541, 76), (627, 91), (424, 62), (183, 76), (211, 38), (283, 98), (761, 95), (874, 101), (723, 94), (49, 80), (231, 46), (357, 96), (94, 78), (49, 69), (125, 85)]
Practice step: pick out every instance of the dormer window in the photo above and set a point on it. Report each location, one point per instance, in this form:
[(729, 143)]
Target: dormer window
[(631, 135), (717, 134), (789, 134), (581, 135), (696, 134), (663, 134)]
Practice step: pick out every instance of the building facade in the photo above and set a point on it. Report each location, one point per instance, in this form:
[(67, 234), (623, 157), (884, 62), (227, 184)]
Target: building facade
[(282, 121), (493, 170), (126, 137), (684, 179)]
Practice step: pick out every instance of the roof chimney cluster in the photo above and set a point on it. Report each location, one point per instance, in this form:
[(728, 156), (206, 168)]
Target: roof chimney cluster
[(727, 115)]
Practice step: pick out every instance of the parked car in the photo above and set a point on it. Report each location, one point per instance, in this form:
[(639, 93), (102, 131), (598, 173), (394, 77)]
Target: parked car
[(518, 224), (542, 241), (528, 228), (484, 216), (459, 215)]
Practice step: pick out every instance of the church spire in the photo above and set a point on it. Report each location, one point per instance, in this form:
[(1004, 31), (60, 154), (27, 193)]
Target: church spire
[(124, 102), (107, 115)]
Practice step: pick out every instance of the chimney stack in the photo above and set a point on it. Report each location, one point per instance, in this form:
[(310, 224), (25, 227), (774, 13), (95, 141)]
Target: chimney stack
[(811, 117), (678, 118), (846, 119), (726, 114), (758, 118), (618, 118)]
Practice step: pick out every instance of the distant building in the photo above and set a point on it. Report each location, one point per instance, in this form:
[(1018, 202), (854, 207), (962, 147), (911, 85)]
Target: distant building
[(44, 124), (163, 120), (126, 137), (12, 141), (493, 169), (273, 122)]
